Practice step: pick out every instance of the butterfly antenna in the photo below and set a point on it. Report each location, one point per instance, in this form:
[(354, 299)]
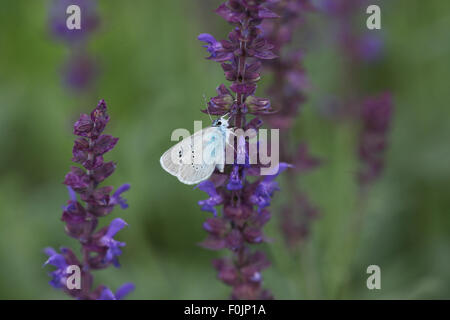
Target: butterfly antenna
[(226, 114), (209, 114), (229, 144)]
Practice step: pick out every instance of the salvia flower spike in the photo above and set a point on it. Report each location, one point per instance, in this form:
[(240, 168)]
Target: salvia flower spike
[(87, 203), (243, 202)]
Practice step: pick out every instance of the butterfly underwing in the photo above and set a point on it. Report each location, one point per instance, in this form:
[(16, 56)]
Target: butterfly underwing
[(195, 158)]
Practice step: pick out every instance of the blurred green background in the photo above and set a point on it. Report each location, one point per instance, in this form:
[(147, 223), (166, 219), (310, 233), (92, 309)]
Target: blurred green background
[(153, 78)]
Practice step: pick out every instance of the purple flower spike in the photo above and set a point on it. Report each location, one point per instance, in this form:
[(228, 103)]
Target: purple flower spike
[(240, 225), (113, 245), (87, 203)]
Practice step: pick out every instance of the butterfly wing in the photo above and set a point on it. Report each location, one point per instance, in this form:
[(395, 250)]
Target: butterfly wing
[(195, 173), (172, 160), (182, 160)]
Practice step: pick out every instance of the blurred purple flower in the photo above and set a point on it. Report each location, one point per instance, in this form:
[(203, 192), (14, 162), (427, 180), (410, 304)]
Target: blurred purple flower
[(373, 114), (288, 92), (303, 161), (370, 48), (80, 70), (376, 117), (296, 219), (354, 42), (58, 16)]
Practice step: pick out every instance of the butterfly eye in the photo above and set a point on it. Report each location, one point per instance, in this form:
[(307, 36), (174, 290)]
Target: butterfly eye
[(219, 123)]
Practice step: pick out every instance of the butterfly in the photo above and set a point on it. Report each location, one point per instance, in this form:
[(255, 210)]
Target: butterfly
[(195, 158)]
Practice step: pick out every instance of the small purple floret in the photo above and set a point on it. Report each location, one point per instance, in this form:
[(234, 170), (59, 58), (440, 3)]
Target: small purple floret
[(116, 197), (113, 245), (123, 291), (214, 198), (213, 46), (57, 260)]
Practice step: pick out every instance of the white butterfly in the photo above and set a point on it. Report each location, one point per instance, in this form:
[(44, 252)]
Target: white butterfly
[(195, 158)]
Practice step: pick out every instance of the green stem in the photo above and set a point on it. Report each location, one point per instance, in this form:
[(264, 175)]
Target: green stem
[(354, 239)]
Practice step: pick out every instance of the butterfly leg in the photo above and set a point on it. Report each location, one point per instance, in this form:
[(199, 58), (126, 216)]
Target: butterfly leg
[(220, 167)]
